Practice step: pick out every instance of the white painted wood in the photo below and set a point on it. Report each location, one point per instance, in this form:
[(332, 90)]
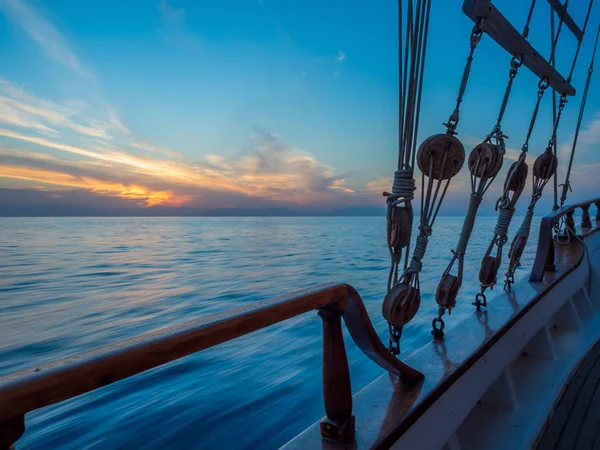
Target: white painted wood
[(567, 317), (583, 304), (502, 393), (541, 345), (537, 378), (452, 408), (453, 443)]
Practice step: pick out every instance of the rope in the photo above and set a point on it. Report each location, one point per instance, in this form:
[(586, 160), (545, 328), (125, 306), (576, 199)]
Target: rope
[(546, 162), (544, 168), (525, 227), (412, 49), (468, 224), (485, 162), (567, 184), (403, 186), (553, 62), (476, 34), (504, 218)]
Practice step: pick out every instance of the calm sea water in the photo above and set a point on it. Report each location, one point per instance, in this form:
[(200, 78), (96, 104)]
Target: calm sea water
[(70, 285)]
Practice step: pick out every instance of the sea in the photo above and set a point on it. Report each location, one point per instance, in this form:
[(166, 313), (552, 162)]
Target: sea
[(69, 285)]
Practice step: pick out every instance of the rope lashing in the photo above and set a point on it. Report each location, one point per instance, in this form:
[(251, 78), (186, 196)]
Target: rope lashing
[(545, 165), (566, 186), (485, 161), (440, 157), (412, 47), (543, 170)]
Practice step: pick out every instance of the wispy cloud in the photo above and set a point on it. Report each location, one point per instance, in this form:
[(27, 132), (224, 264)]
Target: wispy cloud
[(45, 35), (589, 138), (33, 112), (271, 170), (175, 28), (341, 56)]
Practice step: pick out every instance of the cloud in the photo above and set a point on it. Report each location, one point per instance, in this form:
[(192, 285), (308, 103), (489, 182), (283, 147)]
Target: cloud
[(24, 110), (45, 35), (379, 185), (589, 137), (270, 170), (143, 145), (175, 28), (341, 56)]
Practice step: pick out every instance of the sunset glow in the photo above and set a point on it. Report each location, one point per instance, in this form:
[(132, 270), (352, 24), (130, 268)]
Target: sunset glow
[(292, 111)]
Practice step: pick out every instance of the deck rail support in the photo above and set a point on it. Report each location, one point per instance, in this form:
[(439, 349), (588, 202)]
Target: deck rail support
[(544, 257), (10, 431), (60, 380), (586, 221), (339, 425), (569, 221)]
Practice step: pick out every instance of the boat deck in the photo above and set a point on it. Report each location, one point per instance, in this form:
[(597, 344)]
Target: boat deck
[(575, 422)]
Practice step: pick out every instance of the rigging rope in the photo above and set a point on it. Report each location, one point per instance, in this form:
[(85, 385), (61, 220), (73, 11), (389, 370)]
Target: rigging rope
[(553, 62), (513, 188), (440, 157), (567, 184), (544, 167), (412, 52), (485, 161)]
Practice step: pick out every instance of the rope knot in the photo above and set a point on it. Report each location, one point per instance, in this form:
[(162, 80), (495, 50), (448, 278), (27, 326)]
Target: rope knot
[(403, 187), (504, 217), (426, 230)]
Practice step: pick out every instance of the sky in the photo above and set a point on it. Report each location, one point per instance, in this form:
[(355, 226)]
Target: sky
[(173, 107)]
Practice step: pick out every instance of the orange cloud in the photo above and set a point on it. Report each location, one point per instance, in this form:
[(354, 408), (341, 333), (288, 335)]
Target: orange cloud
[(141, 194)]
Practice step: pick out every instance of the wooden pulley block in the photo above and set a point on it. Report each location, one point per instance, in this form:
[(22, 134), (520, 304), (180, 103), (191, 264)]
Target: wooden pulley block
[(401, 226), (488, 271), (485, 160), (432, 151), (544, 166), (517, 182), (447, 291), (517, 247), (401, 304)]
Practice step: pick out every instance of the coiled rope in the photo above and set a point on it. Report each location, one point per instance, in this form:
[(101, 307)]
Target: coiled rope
[(440, 157), (412, 48)]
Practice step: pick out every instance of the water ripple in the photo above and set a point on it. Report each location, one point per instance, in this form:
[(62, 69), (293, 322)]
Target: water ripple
[(70, 285)]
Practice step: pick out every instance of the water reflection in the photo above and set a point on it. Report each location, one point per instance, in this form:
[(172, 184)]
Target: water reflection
[(70, 285)]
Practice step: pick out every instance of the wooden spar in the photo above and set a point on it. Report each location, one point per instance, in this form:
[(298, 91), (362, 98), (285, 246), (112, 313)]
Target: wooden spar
[(507, 36), (28, 390), (564, 15)]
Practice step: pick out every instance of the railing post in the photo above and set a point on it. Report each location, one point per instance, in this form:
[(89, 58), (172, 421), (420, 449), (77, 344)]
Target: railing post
[(11, 430), (337, 392), (570, 222), (585, 217)]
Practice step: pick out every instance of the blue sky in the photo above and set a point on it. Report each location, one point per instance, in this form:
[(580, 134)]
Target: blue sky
[(250, 103)]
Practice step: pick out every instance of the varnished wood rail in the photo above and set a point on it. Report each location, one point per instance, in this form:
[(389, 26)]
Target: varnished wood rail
[(544, 257), (41, 386)]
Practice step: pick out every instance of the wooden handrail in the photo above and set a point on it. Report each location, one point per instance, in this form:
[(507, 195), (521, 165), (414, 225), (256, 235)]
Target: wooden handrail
[(544, 257), (35, 388)]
